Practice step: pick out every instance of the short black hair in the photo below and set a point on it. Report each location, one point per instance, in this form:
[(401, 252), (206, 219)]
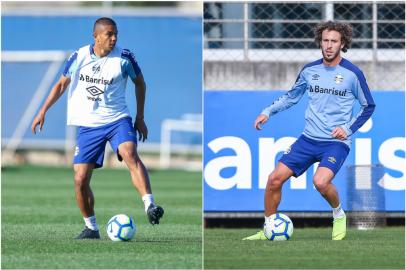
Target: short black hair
[(345, 29), (104, 21)]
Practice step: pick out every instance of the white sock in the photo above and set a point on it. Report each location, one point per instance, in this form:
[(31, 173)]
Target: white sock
[(338, 212), (148, 199), (267, 219), (91, 223)]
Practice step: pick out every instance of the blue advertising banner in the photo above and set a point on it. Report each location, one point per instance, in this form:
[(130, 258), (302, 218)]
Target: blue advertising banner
[(238, 158)]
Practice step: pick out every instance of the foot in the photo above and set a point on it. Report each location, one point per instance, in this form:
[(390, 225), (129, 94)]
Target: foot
[(339, 228), (154, 213), (88, 234), (258, 236)]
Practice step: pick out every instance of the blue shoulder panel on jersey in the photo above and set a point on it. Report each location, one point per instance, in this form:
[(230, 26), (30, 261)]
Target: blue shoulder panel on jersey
[(69, 62), (91, 51), (369, 109), (314, 63), (130, 56)]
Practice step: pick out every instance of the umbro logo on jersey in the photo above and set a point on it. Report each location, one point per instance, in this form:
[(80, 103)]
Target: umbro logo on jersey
[(332, 160), (315, 77), (94, 91), (338, 78)]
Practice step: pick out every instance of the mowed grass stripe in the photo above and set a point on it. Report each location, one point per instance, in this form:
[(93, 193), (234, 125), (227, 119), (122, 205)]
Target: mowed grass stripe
[(40, 218)]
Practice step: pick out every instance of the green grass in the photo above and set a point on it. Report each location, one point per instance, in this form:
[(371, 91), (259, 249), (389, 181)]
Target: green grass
[(40, 219), (308, 249)]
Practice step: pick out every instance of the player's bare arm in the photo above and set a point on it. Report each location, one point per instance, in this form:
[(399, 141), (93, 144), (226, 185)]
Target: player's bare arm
[(261, 119), (339, 133), (56, 92), (139, 125)]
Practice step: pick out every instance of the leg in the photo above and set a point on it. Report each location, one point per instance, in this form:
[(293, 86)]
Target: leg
[(83, 192), (85, 200), (139, 174), (273, 192), (322, 181)]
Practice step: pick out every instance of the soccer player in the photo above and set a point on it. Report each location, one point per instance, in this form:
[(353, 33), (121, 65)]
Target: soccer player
[(333, 84), (97, 75)]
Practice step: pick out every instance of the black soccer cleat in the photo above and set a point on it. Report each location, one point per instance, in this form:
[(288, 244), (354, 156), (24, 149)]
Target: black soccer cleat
[(88, 234), (154, 213)]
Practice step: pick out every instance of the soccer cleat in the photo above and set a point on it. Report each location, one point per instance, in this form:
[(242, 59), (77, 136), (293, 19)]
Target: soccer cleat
[(258, 236), (88, 234), (154, 213), (339, 228)]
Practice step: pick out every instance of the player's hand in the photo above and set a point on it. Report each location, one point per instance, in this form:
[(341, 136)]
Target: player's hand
[(261, 119), (339, 133), (38, 120), (142, 129)]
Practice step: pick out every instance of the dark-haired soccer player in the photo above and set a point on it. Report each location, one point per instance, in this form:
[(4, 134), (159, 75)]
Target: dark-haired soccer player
[(97, 76), (333, 84)]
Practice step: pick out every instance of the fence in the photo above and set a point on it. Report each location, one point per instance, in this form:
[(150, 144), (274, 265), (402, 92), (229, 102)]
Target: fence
[(365, 201), (257, 45)]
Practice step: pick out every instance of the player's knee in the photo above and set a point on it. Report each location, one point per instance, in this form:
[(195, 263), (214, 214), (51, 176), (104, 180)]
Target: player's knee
[(320, 183), (127, 154), (275, 182), (81, 180)]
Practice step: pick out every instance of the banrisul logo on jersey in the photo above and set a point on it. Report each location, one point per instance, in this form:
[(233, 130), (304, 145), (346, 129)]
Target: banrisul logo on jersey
[(331, 91), (102, 80)]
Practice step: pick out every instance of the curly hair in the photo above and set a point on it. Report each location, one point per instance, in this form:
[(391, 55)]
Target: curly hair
[(344, 29)]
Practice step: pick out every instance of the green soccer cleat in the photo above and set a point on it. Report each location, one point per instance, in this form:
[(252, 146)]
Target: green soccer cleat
[(339, 228), (258, 236)]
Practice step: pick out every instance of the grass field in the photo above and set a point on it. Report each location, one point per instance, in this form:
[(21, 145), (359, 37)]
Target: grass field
[(308, 249), (40, 219)]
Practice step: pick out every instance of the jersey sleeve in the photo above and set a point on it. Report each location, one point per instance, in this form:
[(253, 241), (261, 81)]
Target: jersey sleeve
[(129, 65), (290, 98), (70, 65), (363, 95)]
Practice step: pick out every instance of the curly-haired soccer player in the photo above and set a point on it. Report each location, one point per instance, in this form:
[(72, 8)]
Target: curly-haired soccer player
[(333, 85)]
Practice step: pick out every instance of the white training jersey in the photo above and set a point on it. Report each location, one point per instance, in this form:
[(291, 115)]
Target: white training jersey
[(96, 94)]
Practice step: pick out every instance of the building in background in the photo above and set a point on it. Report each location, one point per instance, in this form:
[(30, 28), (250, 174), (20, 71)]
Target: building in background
[(278, 37)]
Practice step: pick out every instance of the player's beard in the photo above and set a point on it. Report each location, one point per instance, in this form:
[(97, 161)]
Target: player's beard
[(330, 58)]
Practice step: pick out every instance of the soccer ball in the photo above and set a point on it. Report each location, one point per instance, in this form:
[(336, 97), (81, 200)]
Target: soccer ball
[(278, 227), (121, 228)]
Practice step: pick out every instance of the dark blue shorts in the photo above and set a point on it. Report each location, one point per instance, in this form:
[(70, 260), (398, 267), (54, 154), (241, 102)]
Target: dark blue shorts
[(305, 152), (91, 141)]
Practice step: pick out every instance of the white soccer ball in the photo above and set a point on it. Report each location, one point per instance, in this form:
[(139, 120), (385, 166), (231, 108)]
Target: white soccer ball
[(121, 228), (278, 227)]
